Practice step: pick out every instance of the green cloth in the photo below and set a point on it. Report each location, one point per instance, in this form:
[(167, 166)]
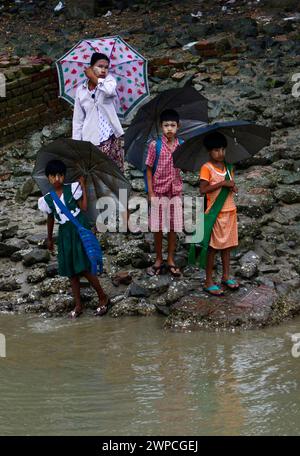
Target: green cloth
[(209, 221), (72, 259)]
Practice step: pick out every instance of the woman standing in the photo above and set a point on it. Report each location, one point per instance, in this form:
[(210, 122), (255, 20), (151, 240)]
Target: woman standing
[(95, 118)]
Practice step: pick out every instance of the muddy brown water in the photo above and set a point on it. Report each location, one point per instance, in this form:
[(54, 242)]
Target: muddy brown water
[(131, 377)]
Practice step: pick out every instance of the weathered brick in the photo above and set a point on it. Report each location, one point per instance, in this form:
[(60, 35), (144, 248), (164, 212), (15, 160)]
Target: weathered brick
[(17, 91), (38, 93), (37, 84), (25, 80), (12, 85), (45, 73)]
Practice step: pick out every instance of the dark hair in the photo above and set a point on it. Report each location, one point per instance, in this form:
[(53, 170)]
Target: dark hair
[(214, 140), (98, 56), (169, 115), (54, 167)]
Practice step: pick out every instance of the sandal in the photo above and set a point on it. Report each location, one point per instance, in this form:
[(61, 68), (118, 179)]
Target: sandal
[(231, 284), (174, 267), (102, 310), (213, 288), (154, 270), (75, 314)]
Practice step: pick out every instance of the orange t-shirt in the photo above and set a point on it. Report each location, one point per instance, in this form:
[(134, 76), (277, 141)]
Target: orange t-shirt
[(214, 175)]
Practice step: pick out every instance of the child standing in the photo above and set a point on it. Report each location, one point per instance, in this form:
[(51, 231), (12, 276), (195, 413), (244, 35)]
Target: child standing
[(164, 191), (216, 175), (95, 118), (72, 259)]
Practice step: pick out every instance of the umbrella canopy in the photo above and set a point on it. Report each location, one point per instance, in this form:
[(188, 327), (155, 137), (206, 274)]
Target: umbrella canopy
[(244, 140), (126, 65), (82, 158), (191, 107)]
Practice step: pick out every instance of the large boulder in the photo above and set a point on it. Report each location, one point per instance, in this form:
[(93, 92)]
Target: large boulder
[(132, 306), (36, 256), (245, 308)]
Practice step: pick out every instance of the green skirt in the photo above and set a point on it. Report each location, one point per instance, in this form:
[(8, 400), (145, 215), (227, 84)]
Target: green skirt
[(72, 259)]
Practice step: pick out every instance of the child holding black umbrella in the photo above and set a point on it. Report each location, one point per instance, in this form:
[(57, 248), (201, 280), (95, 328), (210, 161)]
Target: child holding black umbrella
[(72, 258), (164, 191), (220, 228)]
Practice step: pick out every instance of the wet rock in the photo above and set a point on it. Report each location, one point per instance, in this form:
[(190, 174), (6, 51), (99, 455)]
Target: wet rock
[(248, 227), (60, 304), (132, 256), (288, 194), (178, 289), (57, 285), (137, 291), (10, 284), (52, 269), (11, 246), (286, 214), (36, 307), (37, 239), (9, 231), (249, 263), (132, 306), (246, 308), (122, 277), (28, 188), (19, 255), (36, 276), (135, 173), (287, 177), (156, 285), (57, 130), (255, 203), (36, 256), (214, 46), (141, 260), (34, 294)]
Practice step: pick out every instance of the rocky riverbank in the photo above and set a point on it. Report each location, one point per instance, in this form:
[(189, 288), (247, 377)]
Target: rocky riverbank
[(242, 60)]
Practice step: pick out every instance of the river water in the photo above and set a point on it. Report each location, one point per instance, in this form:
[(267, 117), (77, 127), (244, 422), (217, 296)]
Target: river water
[(131, 377)]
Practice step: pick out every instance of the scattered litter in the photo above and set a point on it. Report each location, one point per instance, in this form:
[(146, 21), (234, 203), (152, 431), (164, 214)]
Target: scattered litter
[(109, 13), (198, 14), (224, 8), (188, 46), (230, 2), (59, 7)]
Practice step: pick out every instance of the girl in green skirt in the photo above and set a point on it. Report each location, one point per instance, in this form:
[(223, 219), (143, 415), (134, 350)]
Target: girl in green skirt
[(72, 259)]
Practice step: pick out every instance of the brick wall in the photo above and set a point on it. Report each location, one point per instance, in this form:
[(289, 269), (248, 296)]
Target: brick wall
[(31, 99)]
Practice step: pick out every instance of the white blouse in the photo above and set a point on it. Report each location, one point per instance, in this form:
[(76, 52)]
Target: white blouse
[(77, 194), (105, 130)]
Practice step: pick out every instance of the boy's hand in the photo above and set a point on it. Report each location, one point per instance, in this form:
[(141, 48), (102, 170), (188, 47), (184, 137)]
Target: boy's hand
[(235, 189), (50, 245)]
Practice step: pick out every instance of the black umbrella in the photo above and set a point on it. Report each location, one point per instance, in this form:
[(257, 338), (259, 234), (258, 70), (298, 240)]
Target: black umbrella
[(82, 158), (191, 107), (244, 140)]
